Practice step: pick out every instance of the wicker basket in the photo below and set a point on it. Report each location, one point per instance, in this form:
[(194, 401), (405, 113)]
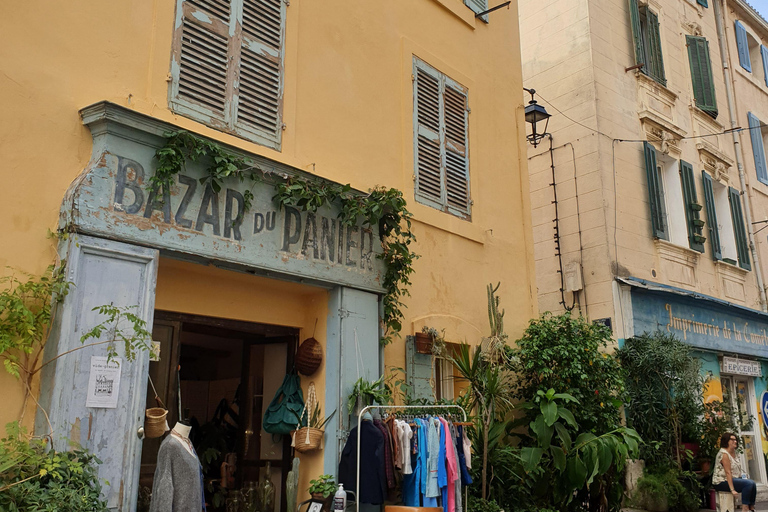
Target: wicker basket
[(154, 422), (307, 439), (309, 356)]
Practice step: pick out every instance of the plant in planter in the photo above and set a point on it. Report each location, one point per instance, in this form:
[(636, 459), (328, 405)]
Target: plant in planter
[(667, 488), (367, 393), (435, 343), (322, 487)]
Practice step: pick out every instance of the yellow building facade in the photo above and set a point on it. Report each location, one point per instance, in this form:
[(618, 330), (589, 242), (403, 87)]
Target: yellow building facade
[(417, 96)]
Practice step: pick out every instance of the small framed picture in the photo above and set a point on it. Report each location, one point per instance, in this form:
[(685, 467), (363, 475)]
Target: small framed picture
[(315, 506)]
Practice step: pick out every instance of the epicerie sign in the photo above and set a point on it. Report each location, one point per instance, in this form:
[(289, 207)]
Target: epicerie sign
[(735, 366)]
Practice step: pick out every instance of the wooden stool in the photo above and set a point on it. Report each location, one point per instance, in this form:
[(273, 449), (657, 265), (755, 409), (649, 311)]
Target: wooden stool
[(725, 502)]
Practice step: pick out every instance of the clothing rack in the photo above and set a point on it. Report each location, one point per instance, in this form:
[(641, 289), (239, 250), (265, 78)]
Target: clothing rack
[(388, 407)]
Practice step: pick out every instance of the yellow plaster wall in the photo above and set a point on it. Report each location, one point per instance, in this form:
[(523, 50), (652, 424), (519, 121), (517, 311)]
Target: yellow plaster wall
[(348, 110)]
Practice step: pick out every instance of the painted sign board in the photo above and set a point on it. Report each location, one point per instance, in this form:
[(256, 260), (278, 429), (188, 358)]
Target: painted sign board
[(735, 366), (112, 199), (700, 321)]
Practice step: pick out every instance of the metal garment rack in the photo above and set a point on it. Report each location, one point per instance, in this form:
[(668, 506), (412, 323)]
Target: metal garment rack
[(398, 407)]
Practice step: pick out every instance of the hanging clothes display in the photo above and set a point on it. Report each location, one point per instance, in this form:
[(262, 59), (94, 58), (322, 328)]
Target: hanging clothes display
[(425, 454)]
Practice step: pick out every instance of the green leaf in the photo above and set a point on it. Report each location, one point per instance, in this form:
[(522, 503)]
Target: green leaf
[(543, 431), (549, 411), (531, 457), (584, 438), (565, 437), (576, 472), (558, 457), (567, 416), (604, 456)]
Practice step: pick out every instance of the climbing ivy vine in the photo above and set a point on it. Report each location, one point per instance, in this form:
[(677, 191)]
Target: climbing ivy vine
[(381, 207)]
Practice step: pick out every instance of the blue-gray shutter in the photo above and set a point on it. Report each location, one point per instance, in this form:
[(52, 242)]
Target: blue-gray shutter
[(764, 56), (743, 46), (742, 246), (123, 275), (429, 184), (692, 208), (478, 6), (456, 142), (758, 151), (702, 3), (418, 371), (655, 197), (709, 202)]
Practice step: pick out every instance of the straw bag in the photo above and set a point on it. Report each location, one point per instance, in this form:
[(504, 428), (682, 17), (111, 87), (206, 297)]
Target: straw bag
[(306, 439), (155, 424)]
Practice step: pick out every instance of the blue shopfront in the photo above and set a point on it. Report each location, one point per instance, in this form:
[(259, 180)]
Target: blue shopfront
[(731, 341)]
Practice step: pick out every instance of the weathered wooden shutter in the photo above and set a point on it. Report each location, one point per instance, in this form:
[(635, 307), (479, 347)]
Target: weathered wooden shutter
[(441, 141), (456, 148), (655, 197), (742, 246), (418, 371), (655, 62), (429, 175), (104, 272), (478, 6), (692, 208), (764, 57), (258, 96), (743, 46), (634, 20), (701, 74), (201, 63), (758, 151), (709, 201)]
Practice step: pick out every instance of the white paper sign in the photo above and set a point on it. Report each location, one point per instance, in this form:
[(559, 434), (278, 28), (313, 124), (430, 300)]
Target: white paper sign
[(104, 382), (741, 367)]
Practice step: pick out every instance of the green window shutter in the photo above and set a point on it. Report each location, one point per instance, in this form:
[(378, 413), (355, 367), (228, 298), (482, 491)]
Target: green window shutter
[(634, 19), (758, 151), (655, 197), (709, 201), (702, 3), (655, 65), (743, 46), (701, 74), (742, 247), (764, 56), (478, 6), (692, 208)]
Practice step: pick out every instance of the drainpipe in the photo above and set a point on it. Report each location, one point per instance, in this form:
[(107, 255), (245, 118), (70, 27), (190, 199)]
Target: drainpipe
[(719, 21)]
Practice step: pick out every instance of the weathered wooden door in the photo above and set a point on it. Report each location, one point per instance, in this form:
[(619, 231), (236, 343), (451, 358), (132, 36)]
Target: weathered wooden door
[(103, 272)]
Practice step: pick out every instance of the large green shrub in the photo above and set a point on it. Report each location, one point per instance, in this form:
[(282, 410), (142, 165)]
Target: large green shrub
[(568, 354), (665, 384), (662, 487), (34, 478)]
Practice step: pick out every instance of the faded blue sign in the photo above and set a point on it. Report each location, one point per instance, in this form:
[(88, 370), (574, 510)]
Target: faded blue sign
[(112, 199), (701, 322)]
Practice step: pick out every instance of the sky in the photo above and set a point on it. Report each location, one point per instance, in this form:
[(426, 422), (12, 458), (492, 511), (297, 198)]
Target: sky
[(761, 6)]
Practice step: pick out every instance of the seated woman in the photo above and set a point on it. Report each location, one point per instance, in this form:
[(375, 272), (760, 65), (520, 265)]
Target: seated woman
[(727, 466)]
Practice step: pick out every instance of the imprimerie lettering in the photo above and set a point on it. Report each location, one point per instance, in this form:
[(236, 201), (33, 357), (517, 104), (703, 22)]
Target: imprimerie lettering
[(192, 207), (685, 325)]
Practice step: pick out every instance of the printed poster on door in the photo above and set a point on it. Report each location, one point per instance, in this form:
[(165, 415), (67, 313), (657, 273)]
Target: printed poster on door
[(103, 382)]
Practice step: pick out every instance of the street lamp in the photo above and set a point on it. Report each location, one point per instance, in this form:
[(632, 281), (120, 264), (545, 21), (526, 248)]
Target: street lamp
[(535, 114)]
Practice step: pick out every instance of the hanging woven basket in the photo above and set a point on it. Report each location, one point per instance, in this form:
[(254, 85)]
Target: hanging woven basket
[(154, 422), (309, 356), (307, 439)]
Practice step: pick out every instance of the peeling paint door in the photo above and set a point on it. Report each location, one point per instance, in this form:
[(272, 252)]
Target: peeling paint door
[(102, 272)]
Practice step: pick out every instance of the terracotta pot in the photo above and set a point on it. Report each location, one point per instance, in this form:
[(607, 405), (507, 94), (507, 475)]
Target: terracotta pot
[(423, 343)]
